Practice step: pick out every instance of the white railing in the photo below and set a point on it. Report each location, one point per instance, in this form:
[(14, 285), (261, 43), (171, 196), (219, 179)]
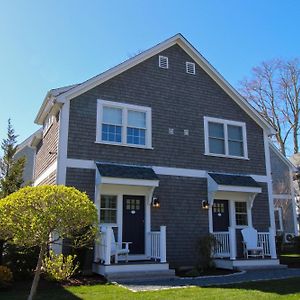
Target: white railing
[(263, 240), (154, 237), (226, 243), (157, 241), (222, 248)]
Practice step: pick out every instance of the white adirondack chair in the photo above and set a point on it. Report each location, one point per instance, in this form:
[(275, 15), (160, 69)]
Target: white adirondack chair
[(117, 250), (252, 248)]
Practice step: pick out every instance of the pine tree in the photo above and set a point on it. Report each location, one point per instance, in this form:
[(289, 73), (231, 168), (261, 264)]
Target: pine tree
[(11, 169)]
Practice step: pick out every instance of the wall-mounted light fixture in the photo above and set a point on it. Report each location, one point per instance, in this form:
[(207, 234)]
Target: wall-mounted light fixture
[(205, 204), (155, 202)]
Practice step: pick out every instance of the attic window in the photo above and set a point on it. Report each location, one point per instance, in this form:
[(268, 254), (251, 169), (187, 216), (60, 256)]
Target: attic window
[(163, 62), (48, 122), (190, 68)]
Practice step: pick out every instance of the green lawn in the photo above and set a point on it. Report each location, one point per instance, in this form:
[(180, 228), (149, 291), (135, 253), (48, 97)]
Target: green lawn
[(277, 289)]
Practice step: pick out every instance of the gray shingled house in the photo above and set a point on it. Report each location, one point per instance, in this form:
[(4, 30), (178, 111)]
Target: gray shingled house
[(169, 152)]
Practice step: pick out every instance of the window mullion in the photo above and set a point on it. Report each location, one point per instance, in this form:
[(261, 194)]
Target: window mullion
[(124, 125), (226, 139)]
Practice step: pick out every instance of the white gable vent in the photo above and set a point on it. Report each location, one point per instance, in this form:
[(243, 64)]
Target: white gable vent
[(163, 62), (190, 68)]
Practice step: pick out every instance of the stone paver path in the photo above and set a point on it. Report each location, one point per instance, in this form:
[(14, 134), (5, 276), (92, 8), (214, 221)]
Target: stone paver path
[(246, 276)]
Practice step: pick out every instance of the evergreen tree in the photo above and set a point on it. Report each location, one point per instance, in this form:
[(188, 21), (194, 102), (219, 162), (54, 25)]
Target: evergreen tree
[(11, 169)]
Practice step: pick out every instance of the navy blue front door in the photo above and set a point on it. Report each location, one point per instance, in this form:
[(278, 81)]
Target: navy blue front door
[(134, 223), (220, 215)]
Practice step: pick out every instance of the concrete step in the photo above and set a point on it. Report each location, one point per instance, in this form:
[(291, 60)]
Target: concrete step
[(136, 276)]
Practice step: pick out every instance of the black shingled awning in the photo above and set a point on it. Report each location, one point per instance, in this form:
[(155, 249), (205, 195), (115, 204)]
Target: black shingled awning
[(123, 171), (234, 180)]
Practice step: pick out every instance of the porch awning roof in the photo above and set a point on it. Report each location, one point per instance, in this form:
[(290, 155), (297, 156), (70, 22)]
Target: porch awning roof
[(232, 183), (128, 175), (235, 180)]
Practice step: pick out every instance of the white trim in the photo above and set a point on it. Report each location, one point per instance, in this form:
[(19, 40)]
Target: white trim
[(124, 107), (243, 189), (163, 62), (159, 170), (190, 66), (280, 219), (294, 208), (62, 148), (282, 196), (225, 124), (126, 181), (52, 168)]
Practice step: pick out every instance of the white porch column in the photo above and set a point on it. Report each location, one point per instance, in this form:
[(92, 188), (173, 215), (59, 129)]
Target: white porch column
[(272, 243), (108, 245), (163, 244), (232, 242)]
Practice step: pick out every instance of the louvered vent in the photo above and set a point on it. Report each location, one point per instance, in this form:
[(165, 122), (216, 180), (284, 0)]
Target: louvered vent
[(190, 68), (163, 62)]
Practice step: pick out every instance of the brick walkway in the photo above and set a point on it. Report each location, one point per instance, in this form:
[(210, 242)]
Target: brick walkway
[(158, 284)]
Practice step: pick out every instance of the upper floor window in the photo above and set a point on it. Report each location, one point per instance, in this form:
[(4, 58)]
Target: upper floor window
[(48, 123), (123, 124), (225, 138)]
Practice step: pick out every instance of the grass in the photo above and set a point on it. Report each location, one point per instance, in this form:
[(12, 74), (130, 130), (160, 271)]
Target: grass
[(291, 255), (277, 289)]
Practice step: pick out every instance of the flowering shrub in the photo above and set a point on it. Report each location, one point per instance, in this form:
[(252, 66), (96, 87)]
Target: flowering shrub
[(59, 267)]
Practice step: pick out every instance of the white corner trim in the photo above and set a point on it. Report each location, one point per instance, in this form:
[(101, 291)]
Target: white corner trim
[(52, 168)]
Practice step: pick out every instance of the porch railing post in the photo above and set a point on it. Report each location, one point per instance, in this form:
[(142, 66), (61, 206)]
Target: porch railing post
[(232, 243), (272, 243), (163, 246), (108, 245)]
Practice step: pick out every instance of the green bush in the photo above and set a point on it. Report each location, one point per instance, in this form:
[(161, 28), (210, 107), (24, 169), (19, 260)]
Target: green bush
[(6, 277), (59, 267), (206, 247)]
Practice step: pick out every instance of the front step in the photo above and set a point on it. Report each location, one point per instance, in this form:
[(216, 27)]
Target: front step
[(252, 268), (248, 264), (145, 270), (139, 276)]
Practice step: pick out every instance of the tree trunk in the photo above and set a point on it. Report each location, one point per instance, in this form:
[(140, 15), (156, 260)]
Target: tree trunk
[(37, 272), (295, 136)]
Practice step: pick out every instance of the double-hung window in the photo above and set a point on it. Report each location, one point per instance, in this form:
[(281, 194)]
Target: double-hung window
[(225, 138), (108, 209), (241, 214), (123, 124)]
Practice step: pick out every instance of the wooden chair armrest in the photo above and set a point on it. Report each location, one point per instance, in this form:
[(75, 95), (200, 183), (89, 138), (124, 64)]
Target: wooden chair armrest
[(127, 245)]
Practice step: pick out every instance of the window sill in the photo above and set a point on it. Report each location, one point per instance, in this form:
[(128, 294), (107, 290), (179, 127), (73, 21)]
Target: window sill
[(226, 156), (125, 145)]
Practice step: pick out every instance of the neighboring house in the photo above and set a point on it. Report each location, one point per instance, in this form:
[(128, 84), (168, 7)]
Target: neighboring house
[(25, 149), (284, 194), (169, 152)]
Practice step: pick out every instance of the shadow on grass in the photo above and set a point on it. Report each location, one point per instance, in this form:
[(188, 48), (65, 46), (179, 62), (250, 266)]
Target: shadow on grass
[(46, 290), (279, 287)]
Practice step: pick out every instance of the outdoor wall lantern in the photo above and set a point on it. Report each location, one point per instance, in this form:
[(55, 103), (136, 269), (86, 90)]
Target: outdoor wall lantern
[(155, 202), (205, 204)]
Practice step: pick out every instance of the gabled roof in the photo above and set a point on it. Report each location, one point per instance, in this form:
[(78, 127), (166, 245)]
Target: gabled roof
[(282, 157), (28, 141), (190, 50)]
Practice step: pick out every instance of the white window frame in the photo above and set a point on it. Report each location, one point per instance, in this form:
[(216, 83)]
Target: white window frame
[(125, 108), (48, 123), (160, 58), (225, 123), (187, 64), (279, 209), (248, 212), (115, 209)]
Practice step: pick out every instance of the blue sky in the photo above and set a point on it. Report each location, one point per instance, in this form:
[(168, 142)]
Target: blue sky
[(47, 44)]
